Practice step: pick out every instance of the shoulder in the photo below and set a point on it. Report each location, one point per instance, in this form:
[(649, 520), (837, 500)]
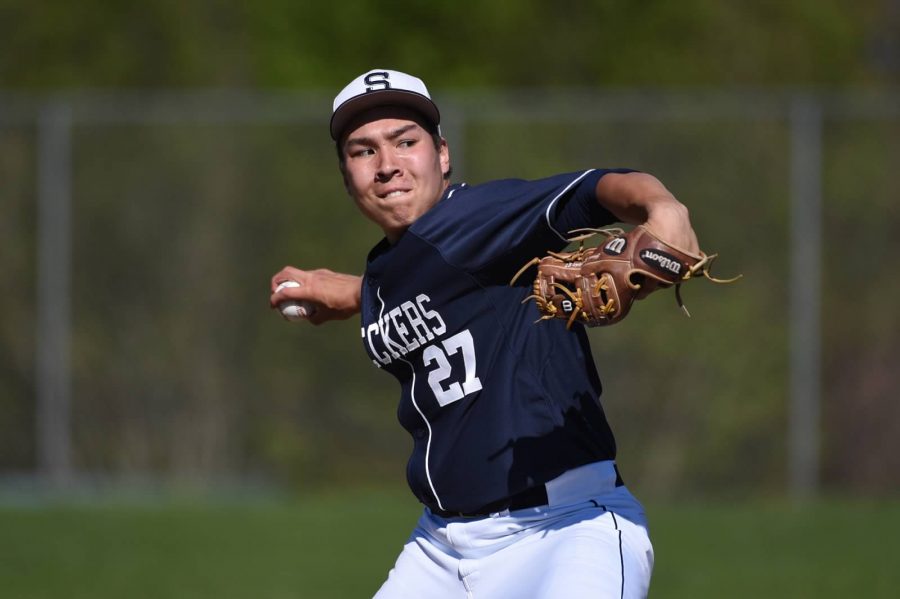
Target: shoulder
[(499, 202), (467, 200), (506, 188), (496, 189)]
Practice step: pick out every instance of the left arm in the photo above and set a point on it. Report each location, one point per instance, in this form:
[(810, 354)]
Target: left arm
[(641, 199)]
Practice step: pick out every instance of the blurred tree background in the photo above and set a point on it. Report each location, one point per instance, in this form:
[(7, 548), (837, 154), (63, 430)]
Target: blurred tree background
[(180, 373), (534, 43)]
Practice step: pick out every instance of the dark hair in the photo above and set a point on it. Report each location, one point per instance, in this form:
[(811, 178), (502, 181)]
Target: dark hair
[(432, 131)]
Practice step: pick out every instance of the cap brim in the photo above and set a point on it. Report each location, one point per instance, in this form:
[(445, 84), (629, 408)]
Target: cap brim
[(387, 97)]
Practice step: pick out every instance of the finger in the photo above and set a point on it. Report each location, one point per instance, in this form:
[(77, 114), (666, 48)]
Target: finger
[(288, 273), (287, 284)]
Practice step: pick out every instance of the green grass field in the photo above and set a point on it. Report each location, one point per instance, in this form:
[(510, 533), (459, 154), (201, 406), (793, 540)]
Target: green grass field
[(341, 546)]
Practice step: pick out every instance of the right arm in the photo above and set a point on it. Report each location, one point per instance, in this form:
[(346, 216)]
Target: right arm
[(336, 296)]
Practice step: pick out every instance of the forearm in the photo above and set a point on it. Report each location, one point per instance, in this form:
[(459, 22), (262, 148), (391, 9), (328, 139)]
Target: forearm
[(633, 197), (639, 198), (336, 296)]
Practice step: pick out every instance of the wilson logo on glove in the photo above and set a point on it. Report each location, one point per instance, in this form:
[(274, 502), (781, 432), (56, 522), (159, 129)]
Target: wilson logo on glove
[(615, 246), (661, 261)]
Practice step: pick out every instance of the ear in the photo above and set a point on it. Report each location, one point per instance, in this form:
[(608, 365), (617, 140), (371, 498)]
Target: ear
[(444, 157)]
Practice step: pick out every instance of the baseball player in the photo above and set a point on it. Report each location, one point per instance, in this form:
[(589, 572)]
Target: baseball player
[(512, 459)]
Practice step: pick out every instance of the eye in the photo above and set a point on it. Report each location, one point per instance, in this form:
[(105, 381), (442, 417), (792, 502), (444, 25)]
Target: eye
[(362, 152), (407, 143)]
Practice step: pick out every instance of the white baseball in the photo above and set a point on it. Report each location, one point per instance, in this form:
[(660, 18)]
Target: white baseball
[(293, 309)]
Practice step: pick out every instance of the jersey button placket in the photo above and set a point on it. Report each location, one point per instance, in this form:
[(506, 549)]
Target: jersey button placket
[(373, 307)]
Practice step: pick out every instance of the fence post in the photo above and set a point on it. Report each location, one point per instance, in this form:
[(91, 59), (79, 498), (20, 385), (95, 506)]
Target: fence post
[(53, 385), (805, 288)]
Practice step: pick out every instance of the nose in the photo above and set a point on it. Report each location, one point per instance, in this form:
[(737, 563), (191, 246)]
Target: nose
[(388, 165)]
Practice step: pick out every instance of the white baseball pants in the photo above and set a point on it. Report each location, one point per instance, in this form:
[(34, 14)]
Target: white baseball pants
[(591, 541)]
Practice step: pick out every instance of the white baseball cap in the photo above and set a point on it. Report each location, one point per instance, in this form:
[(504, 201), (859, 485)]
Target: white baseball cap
[(380, 87)]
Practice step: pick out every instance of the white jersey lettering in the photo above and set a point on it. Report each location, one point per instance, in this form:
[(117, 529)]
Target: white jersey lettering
[(438, 329), (420, 329), (402, 331)]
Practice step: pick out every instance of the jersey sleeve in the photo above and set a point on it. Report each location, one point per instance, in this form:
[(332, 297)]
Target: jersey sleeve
[(492, 229), (581, 209)]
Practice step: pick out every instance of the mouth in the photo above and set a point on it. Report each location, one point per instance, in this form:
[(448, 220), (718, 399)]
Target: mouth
[(392, 194)]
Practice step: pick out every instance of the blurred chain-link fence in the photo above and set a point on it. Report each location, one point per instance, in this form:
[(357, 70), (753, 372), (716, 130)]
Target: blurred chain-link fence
[(138, 235)]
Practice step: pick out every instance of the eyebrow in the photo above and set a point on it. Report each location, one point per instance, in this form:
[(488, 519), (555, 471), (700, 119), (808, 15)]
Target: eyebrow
[(392, 135)]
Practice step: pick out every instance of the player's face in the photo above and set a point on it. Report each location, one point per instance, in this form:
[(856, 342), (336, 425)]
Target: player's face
[(392, 168)]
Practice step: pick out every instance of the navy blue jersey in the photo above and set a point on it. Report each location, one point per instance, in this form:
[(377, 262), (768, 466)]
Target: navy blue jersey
[(495, 403)]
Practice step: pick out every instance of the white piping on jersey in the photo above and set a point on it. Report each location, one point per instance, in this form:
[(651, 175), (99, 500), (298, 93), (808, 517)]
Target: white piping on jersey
[(452, 191), (412, 395), (559, 195), (394, 348)]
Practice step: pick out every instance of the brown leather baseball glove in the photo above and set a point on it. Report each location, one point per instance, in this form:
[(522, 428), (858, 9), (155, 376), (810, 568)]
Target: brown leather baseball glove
[(596, 286)]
